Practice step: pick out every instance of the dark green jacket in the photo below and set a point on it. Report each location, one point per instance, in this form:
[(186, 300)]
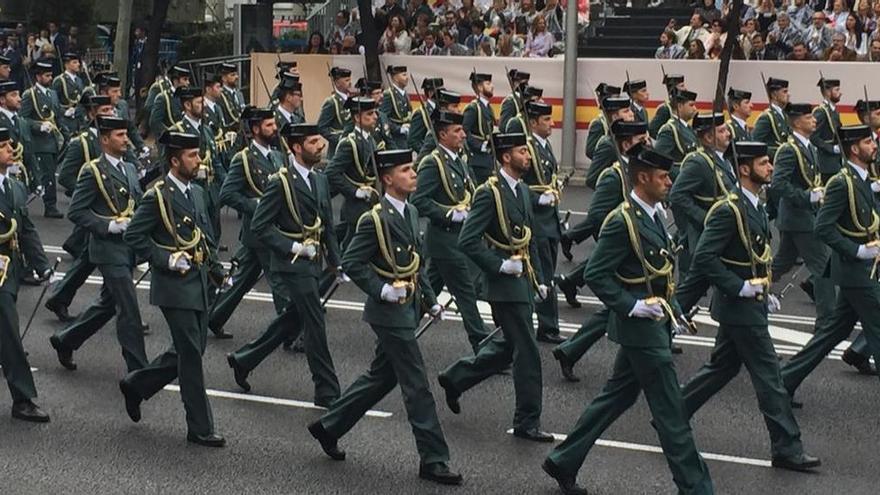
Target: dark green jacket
[(248, 178), (37, 106), (661, 116), (397, 111), (231, 103), (721, 257), (363, 255), (167, 110), (479, 123), (442, 183), (835, 227), (771, 128), (608, 196), (81, 149), (133, 135), (613, 258), (90, 208), (275, 225), (514, 125), (333, 119), (823, 138), (703, 180), (150, 239), (509, 109), (483, 222), (641, 114), (13, 205), (418, 127), (598, 128), (207, 149), (603, 156), (69, 94), (675, 139), (352, 163), (542, 174), (738, 132), (163, 84), (794, 174), (21, 134)]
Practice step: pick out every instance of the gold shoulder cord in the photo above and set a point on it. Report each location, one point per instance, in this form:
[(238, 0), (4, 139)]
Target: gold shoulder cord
[(542, 186), (44, 118), (245, 164), (675, 137), (480, 119), (407, 275), (391, 91), (761, 259), (310, 233), (85, 146), (814, 181), (459, 204), (127, 212), (654, 272), (365, 180), (518, 247), (861, 230), (70, 102), (181, 244), (719, 179), (232, 114)]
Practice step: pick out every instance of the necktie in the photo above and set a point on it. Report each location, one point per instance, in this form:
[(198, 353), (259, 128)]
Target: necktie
[(659, 222)]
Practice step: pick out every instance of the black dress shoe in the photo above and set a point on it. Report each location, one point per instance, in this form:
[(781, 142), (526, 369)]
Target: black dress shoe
[(533, 434), (28, 411), (859, 362), (439, 472), (452, 395), (550, 338), (799, 462), (566, 365), (209, 440), (53, 213), (30, 279), (132, 401), (65, 355), (569, 290), (567, 483), (239, 373), (565, 244), (676, 349), (60, 311), (807, 287), (328, 443), (796, 405), (222, 335)]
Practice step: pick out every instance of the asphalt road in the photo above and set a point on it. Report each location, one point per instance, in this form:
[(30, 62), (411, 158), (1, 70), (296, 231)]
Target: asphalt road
[(91, 446)]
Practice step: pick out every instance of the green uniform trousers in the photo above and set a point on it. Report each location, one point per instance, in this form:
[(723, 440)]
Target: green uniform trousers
[(548, 309), (751, 345), (46, 165), (458, 275), (635, 370), (303, 314), (588, 334), (815, 255), (12, 355), (64, 290), (854, 304), (520, 348), (182, 361), (397, 360), (251, 264), (117, 294)]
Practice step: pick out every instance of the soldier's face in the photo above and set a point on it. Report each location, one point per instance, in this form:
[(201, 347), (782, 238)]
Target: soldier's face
[(641, 95), (230, 79), (687, 110), (806, 124), (72, 66), (267, 130), (180, 82), (865, 150), (12, 101), (5, 154), (487, 89), (313, 149), (744, 109), (115, 93), (367, 120), (543, 125), (781, 96), (520, 161), (187, 165), (376, 95), (44, 79), (401, 79), (655, 183), (834, 94), (213, 91), (630, 142), (114, 142), (761, 170), (196, 107), (401, 179), (296, 99), (722, 137), (875, 119), (343, 84), (106, 111), (5, 71), (453, 136), (625, 114)]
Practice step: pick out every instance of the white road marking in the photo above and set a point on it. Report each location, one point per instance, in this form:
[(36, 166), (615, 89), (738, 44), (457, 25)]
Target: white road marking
[(262, 399), (748, 461)]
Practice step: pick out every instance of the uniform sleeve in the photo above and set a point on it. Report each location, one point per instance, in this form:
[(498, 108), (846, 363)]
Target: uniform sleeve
[(836, 204), (267, 210), (603, 157), (470, 239), (600, 274), (80, 211), (594, 133), (428, 186), (471, 126), (138, 235), (232, 191), (356, 260), (336, 170), (782, 186), (665, 142), (690, 181), (719, 231), (29, 238)]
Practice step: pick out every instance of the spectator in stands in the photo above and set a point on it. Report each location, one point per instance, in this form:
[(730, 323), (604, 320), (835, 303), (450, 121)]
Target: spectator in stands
[(73, 45), (349, 46), (388, 10), (801, 15), (696, 50), (873, 54), (708, 11), (760, 51), (800, 52), (528, 12), (342, 27), (429, 45), (417, 8), (486, 47), (818, 36), (693, 31), (31, 51), (554, 14), (669, 48), (396, 38), (783, 35), (451, 46), (450, 23), (477, 36), (505, 47), (837, 17), (855, 37), (316, 43), (469, 12), (58, 40), (765, 14), (498, 16), (715, 41), (539, 42), (867, 16), (748, 28), (838, 51)]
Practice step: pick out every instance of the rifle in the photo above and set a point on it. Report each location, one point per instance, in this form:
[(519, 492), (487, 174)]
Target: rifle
[(40, 299), (265, 86), (430, 321), (425, 108)]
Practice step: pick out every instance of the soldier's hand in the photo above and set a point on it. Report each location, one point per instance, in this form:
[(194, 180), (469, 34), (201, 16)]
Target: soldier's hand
[(46, 275), (178, 263), (45, 127), (437, 312), (404, 129), (641, 309), (547, 199), (543, 292), (749, 291), (70, 112), (145, 152), (362, 193), (867, 252), (774, 305), (341, 276), (393, 294), (459, 216), (117, 226), (2, 264), (816, 195), (875, 186), (511, 267)]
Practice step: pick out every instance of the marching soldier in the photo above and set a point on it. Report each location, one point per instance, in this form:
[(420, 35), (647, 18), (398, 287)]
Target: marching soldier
[(172, 230), (614, 108), (847, 221), (283, 69), (734, 254), (479, 124), (419, 125), (396, 107), (772, 128), (290, 97), (797, 182), (676, 138), (242, 189), (39, 108), (334, 119), (103, 202), (510, 104), (444, 193), (637, 90), (81, 150), (388, 268), (350, 171), (69, 88), (111, 85), (167, 109), (599, 125), (542, 179), (381, 133), (231, 98), (630, 138), (827, 122), (18, 238), (632, 253), (739, 104), (294, 219), (517, 123), (23, 164), (161, 84), (212, 97), (673, 83), (497, 236), (447, 101)]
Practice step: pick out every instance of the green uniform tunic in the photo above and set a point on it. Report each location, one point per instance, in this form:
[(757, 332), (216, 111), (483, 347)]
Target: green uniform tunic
[(479, 123), (676, 139), (598, 128), (661, 116), (350, 169), (772, 128), (824, 138), (398, 114), (69, 90), (40, 105), (333, 120)]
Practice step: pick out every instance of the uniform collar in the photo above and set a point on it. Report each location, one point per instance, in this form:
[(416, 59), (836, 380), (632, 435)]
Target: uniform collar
[(804, 141), (448, 151), (301, 170), (195, 123), (396, 203), (210, 103), (513, 183), (741, 122), (362, 132), (400, 90), (776, 107), (863, 172), (830, 105), (753, 198), (3, 181), (540, 140), (650, 210), (7, 113), (262, 149), (484, 101), (184, 188), (70, 75), (287, 115), (116, 162), (341, 95)]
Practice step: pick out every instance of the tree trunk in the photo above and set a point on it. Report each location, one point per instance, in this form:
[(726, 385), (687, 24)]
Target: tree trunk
[(121, 43), (149, 66), (370, 40)]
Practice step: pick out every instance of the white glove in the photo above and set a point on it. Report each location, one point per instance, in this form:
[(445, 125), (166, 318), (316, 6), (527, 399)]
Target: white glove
[(816, 195), (228, 283), (14, 169), (117, 227), (362, 193), (749, 291), (45, 127), (875, 186), (485, 147), (145, 151), (836, 149), (404, 129), (202, 174), (512, 267), (393, 294), (437, 312), (543, 292), (181, 264), (70, 112), (342, 277), (459, 216), (774, 305), (867, 252), (2, 264), (641, 309), (547, 199), (307, 251)]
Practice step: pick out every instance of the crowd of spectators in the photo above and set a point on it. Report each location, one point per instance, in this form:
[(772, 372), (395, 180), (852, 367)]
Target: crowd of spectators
[(24, 48), (831, 30), (483, 28)]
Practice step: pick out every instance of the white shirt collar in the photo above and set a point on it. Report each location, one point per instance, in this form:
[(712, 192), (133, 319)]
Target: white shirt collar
[(9, 114), (396, 203), (210, 103), (301, 170), (449, 152), (753, 198), (540, 140), (341, 95), (3, 182), (195, 123), (638, 107), (362, 132), (863, 172), (41, 87), (180, 185), (116, 162), (228, 88), (650, 210), (400, 90), (287, 115), (830, 105), (262, 149), (93, 131), (720, 156), (485, 101), (71, 75), (741, 122), (777, 108), (804, 141), (510, 181), (683, 122)]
